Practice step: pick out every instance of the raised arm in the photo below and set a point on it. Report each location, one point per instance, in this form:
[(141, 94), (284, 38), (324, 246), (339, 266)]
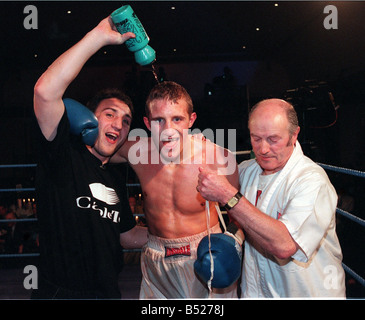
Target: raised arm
[(50, 87)]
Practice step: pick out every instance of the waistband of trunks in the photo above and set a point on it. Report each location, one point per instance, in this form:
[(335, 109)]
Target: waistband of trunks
[(159, 243)]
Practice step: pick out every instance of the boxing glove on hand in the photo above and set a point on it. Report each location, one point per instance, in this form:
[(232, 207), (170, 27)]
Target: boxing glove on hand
[(226, 253), (82, 121)]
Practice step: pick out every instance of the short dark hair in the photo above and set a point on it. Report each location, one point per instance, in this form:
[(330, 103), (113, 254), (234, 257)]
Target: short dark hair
[(108, 94), (171, 91)]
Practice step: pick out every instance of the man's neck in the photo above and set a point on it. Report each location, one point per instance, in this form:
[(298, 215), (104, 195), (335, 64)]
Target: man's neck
[(104, 160)]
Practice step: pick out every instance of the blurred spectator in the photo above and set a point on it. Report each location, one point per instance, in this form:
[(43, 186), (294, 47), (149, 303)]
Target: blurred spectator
[(23, 210), (345, 200), (225, 80), (17, 236), (30, 241), (132, 203), (11, 235), (3, 211), (2, 228)]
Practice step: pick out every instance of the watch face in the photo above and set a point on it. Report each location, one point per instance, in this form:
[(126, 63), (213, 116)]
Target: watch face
[(232, 202)]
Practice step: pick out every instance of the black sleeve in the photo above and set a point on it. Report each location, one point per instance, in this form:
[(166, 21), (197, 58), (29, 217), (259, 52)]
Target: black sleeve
[(63, 137), (52, 152), (63, 133), (54, 156), (127, 220)]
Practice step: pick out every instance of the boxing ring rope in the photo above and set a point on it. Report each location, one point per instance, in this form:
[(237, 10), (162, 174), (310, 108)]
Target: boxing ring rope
[(344, 213), (352, 172)]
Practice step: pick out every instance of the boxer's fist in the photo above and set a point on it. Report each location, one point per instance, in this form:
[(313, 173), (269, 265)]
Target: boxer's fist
[(82, 121), (226, 253)]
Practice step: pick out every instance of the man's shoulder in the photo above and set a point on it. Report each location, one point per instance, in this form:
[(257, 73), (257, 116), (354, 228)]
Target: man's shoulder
[(216, 151), (246, 164), (220, 158), (307, 169), (138, 143)]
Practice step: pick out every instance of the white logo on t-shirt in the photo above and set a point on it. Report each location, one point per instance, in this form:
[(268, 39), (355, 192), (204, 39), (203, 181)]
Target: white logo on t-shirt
[(103, 193)]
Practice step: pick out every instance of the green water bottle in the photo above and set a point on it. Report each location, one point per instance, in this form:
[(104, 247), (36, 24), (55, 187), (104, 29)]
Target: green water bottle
[(126, 20)]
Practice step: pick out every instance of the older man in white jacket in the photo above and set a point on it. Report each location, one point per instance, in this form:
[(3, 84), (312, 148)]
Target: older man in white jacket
[(286, 206)]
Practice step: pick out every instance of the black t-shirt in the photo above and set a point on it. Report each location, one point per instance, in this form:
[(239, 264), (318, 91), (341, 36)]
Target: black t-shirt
[(82, 208)]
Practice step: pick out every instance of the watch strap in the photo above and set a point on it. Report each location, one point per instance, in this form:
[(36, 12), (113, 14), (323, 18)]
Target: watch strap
[(236, 199)]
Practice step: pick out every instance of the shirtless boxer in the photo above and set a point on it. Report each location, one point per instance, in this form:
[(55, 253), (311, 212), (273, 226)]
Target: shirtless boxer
[(174, 209)]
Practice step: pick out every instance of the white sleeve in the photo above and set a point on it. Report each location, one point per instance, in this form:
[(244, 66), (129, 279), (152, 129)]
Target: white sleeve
[(309, 213)]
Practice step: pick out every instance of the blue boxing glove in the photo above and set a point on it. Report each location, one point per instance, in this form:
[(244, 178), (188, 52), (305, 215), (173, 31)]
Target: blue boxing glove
[(82, 121), (226, 249)]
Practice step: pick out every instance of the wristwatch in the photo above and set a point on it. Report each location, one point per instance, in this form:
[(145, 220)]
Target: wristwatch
[(233, 201)]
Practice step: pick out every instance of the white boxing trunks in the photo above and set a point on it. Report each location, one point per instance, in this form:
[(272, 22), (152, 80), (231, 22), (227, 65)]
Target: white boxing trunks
[(168, 269)]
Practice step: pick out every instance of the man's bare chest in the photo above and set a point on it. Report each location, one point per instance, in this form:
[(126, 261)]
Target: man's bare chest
[(172, 186), (175, 176)]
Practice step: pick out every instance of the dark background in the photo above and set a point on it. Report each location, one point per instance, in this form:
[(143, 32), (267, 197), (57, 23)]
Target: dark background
[(292, 52), (291, 56)]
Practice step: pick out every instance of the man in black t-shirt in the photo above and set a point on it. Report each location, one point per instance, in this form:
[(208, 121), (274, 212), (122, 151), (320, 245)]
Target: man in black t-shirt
[(83, 209)]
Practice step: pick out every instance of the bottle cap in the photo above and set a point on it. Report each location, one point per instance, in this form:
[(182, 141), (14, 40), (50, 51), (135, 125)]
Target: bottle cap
[(145, 56)]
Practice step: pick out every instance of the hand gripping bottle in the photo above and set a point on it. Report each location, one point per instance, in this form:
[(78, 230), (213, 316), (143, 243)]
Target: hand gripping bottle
[(125, 20)]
